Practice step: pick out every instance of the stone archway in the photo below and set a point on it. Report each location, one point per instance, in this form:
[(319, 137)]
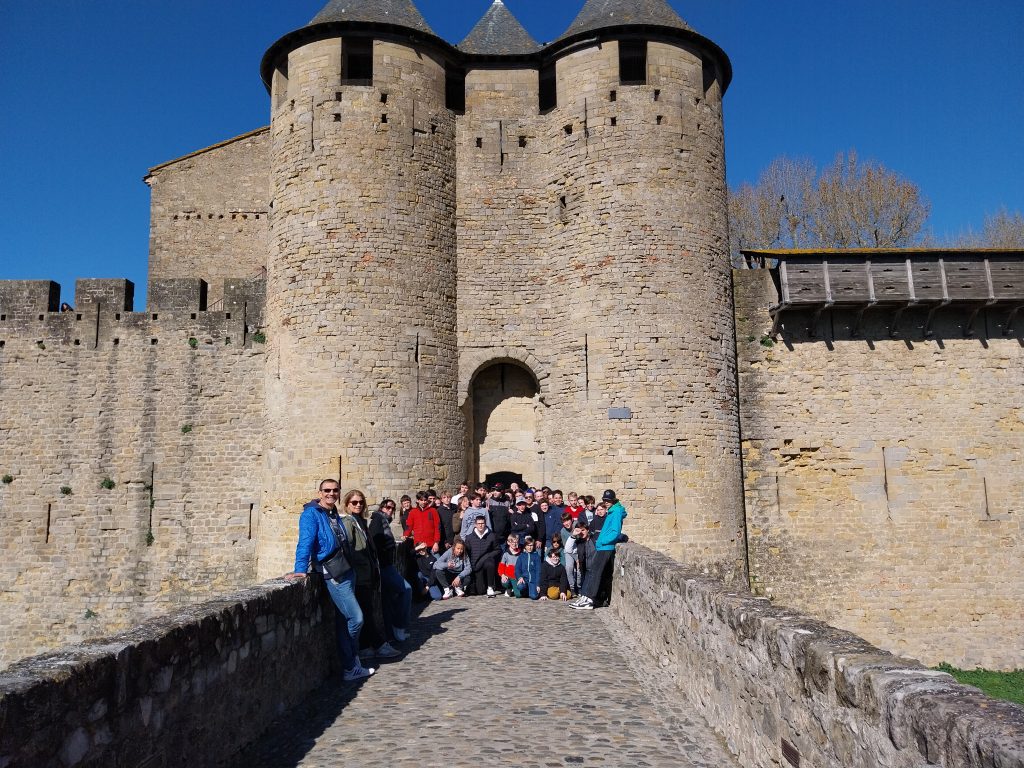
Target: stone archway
[(503, 413)]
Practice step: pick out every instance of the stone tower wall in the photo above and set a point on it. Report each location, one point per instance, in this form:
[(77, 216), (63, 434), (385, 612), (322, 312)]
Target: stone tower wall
[(883, 478), (101, 394), (362, 359), (209, 213), (605, 211)]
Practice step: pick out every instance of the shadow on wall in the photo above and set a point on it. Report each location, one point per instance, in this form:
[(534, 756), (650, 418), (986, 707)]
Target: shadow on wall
[(293, 735)]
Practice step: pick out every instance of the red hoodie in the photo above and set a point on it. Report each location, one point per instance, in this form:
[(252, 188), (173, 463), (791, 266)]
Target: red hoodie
[(424, 525)]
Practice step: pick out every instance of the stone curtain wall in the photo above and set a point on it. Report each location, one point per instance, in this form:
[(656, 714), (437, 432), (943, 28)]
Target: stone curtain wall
[(784, 689), (106, 394), (209, 213), (885, 478), (362, 366), (187, 689), (605, 217)]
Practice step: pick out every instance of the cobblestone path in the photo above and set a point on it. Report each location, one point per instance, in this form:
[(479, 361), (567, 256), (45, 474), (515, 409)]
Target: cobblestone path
[(496, 683)]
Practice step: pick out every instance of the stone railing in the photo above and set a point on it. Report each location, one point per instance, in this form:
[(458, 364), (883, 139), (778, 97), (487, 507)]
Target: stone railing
[(187, 689), (786, 690)]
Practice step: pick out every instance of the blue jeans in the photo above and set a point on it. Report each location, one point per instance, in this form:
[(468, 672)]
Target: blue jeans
[(397, 596), (349, 620)]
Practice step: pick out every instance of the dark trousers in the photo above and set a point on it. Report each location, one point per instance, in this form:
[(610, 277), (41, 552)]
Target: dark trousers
[(485, 573), (368, 597), (595, 573), (445, 578)]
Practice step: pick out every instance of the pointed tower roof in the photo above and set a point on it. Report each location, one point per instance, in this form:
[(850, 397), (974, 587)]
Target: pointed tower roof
[(597, 14), (401, 13), (499, 33)]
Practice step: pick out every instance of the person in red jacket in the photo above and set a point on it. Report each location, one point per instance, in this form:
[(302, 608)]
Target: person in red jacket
[(424, 524)]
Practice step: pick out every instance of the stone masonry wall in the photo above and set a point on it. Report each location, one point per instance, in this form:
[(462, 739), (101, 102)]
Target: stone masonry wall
[(611, 205), (189, 688), (883, 477), (209, 213), (784, 689), (361, 287), (127, 458)]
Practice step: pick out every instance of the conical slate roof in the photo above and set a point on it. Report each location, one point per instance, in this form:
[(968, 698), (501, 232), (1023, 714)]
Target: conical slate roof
[(597, 14), (399, 12), (499, 33)]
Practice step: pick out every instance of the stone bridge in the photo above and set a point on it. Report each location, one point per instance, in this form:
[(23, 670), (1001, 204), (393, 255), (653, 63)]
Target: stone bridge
[(678, 672)]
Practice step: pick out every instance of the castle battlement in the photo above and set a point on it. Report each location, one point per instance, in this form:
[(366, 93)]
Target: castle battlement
[(102, 314)]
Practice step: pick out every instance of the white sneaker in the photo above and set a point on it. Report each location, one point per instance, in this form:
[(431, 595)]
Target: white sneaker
[(401, 635), (358, 672), (388, 651), (584, 604), (460, 592), (491, 592), (447, 593)]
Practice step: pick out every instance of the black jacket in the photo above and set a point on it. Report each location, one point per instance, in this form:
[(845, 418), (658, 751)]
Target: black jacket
[(499, 520), (480, 548), (522, 524), (445, 512), (383, 540), (553, 576)]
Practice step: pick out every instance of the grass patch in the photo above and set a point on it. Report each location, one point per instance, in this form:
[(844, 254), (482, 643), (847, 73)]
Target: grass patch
[(1008, 686)]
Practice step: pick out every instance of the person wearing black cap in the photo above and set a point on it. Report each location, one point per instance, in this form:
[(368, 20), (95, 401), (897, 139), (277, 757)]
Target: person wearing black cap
[(610, 535)]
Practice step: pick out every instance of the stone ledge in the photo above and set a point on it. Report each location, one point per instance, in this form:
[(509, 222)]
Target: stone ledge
[(839, 700), (188, 688)]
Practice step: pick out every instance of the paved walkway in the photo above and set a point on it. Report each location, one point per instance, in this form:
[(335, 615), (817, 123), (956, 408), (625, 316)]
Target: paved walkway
[(497, 683)]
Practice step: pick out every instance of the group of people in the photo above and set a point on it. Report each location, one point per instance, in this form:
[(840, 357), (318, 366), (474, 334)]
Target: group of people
[(497, 541)]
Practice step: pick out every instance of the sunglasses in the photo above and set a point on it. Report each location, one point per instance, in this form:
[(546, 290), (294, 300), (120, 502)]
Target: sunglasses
[(357, 502), (335, 491)]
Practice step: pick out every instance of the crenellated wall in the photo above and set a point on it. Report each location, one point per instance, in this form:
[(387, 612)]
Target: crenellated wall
[(128, 441), (883, 476)]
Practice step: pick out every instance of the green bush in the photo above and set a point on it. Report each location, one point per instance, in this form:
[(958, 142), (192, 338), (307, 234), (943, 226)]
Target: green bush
[(186, 429), (149, 539), (8, 479), (767, 341), (107, 484), (193, 342), (90, 613), (259, 337), (65, 490)]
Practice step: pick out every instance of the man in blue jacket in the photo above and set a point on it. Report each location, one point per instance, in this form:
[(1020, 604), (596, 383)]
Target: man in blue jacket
[(610, 535)]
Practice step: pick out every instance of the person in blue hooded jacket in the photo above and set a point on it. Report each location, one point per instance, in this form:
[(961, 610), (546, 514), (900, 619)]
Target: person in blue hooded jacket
[(321, 538), (528, 570), (610, 535)]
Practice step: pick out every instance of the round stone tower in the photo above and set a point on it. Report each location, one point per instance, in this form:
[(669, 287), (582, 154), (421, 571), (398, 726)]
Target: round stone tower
[(637, 167), (361, 363)]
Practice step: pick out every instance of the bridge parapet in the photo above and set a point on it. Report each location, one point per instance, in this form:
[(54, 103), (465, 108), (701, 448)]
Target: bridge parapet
[(787, 690), (186, 689)]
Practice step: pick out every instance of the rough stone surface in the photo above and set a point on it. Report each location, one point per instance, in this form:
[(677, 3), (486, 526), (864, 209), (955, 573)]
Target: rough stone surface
[(209, 213), (497, 682), (883, 477), (102, 394), (185, 689), (761, 674)]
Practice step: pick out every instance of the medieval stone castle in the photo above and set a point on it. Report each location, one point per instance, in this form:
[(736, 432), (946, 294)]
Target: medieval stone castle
[(442, 262)]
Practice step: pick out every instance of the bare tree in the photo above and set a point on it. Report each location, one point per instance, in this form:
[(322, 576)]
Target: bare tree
[(849, 205), (1003, 229)]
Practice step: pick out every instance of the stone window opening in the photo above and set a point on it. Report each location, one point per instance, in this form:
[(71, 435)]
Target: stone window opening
[(455, 89), (568, 129), (613, 96), (710, 75), (613, 121), (633, 62), (660, 119), (657, 94), (522, 141), (357, 61), (384, 117), (479, 142), (383, 98), (548, 88)]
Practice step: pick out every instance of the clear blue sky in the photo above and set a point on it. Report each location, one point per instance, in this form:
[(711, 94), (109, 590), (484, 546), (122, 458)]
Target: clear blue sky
[(97, 91)]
